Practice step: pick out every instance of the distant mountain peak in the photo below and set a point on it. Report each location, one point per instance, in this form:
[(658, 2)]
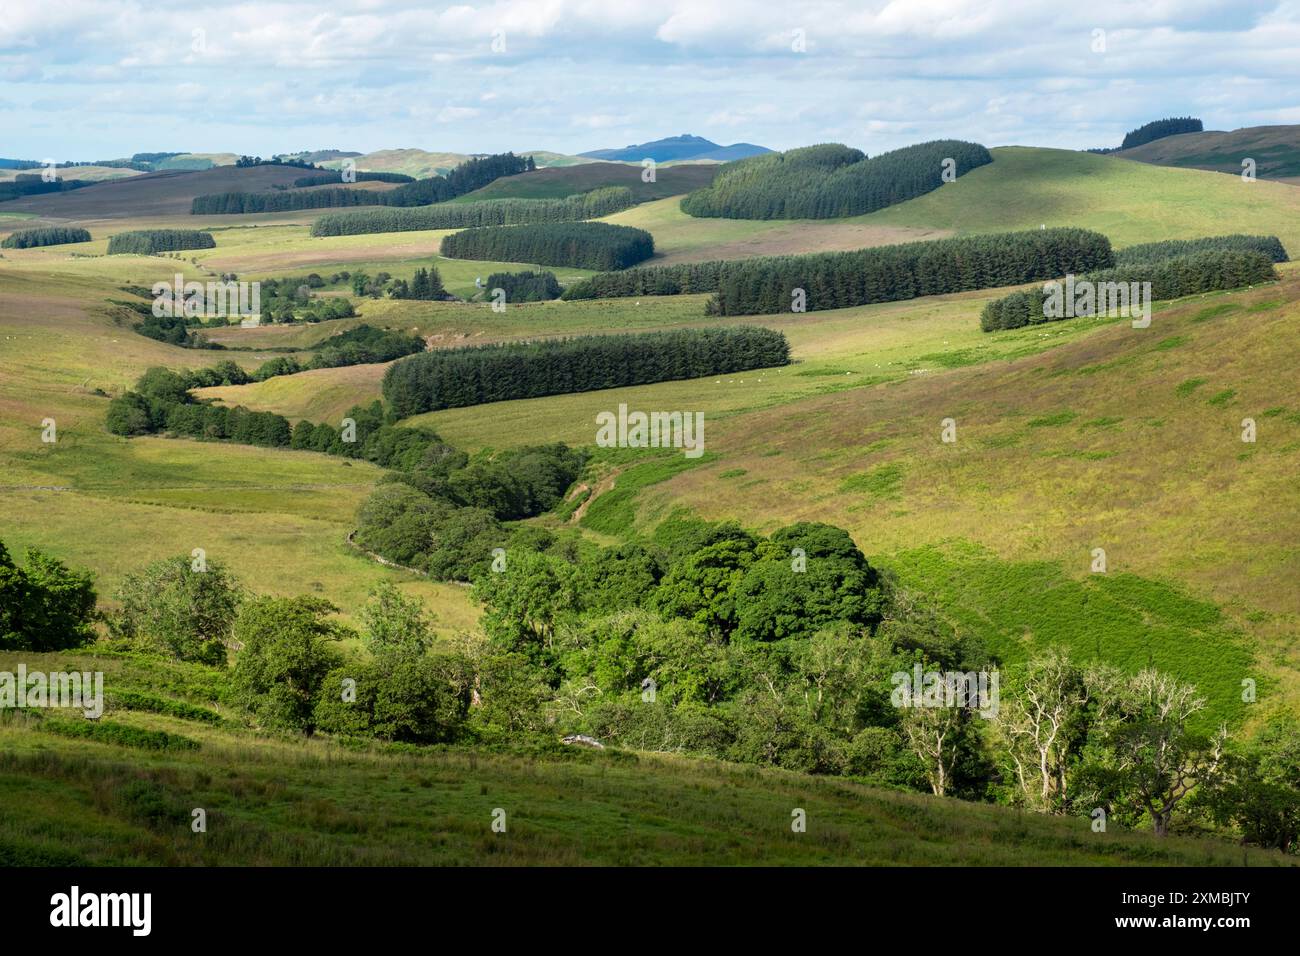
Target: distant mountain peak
[(678, 148)]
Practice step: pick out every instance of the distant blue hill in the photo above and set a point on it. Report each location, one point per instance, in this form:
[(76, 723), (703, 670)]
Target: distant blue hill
[(678, 148)]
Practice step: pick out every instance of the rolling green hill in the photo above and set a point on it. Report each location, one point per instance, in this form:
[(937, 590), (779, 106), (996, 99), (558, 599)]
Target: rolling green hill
[(1080, 435), (422, 163), (1275, 150), (1130, 202)]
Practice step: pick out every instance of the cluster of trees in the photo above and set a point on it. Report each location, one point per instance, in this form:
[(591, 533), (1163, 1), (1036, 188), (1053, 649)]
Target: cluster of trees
[(175, 330), (525, 286), (161, 402), (682, 279), (702, 638), (425, 284), (1159, 129), (1169, 278), (836, 280), (284, 200), (147, 242), (468, 176), (244, 162), (44, 605), (474, 375), (293, 300), (444, 514), (178, 607), (49, 236), (34, 185), (831, 180), (1270, 246), (487, 212), (335, 176), (582, 245)]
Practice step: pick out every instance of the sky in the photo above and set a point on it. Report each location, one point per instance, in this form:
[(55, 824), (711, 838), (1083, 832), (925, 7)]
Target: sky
[(101, 79)]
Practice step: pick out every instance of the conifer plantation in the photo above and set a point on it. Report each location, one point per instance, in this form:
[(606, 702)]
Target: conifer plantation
[(452, 378), (582, 245)]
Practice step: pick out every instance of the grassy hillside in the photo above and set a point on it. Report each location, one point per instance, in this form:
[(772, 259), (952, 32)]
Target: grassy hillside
[(153, 194), (1123, 439), (1130, 202), (92, 174), (422, 163), (1275, 150), (283, 801), (279, 518), (1072, 436)]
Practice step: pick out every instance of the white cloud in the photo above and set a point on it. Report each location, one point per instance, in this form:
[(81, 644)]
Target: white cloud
[(876, 73)]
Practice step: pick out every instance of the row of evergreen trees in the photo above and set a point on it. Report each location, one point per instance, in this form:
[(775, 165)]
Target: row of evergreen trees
[(582, 245), (336, 177), (49, 236), (682, 279), (1159, 129), (488, 212), (31, 184), (828, 181), (1270, 246), (837, 280), (147, 242), (451, 378), (468, 176), (888, 272), (1169, 278), (285, 200), (524, 286)]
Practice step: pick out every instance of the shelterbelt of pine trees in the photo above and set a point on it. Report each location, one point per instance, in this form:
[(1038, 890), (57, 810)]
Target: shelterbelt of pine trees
[(336, 177), (1170, 279), (32, 184), (682, 279), (468, 176), (887, 273), (489, 212), (524, 286), (838, 280), (582, 245), (453, 378), (828, 181), (50, 236), (1270, 246), (1159, 129), (146, 242)]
